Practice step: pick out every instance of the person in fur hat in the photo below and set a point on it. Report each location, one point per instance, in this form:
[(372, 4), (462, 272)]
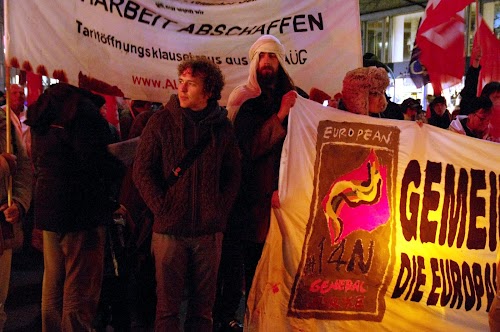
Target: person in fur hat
[(363, 90)]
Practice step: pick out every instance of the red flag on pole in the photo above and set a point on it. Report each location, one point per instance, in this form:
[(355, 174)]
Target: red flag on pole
[(490, 54), (440, 39)]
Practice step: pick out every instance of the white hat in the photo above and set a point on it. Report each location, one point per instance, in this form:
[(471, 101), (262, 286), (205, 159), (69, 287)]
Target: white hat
[(268, 44)]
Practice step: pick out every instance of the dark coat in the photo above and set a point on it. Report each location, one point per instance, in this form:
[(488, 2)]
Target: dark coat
[(200, 201), (469, 92), (75, 173), (440, 121), (260, 136)]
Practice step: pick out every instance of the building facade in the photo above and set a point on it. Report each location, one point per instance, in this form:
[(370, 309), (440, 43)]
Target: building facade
[(390, 35)]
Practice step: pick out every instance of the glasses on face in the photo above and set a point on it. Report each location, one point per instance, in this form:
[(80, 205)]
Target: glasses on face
[(482, 117)]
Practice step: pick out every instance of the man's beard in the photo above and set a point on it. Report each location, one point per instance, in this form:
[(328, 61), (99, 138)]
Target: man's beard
[(266, 76)]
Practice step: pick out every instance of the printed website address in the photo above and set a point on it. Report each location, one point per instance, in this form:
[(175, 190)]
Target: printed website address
[(154, 83)]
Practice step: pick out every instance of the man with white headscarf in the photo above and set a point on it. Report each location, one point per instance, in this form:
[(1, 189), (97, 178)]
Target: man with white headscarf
[(259, 110), (252, 88)]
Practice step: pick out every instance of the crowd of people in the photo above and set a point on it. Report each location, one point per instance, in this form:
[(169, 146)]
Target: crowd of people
[(196, 199)]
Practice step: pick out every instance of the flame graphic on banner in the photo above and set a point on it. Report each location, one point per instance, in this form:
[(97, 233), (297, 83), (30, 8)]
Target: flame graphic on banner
[(356, 192)]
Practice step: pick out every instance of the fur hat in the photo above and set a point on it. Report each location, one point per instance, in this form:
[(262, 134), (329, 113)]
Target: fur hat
[(358, 84)]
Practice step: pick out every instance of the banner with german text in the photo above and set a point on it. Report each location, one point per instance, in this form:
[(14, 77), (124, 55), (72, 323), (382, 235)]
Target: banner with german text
[(383, 225), (135, 46)]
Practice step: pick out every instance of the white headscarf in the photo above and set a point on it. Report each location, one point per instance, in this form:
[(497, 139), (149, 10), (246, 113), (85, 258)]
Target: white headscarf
[(240, 94)]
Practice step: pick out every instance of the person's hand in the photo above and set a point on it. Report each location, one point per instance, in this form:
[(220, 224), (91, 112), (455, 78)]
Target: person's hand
[(475, 55), (11, 212), (333, 103), (121, 211), (11, 161), (275, 200), (287, 102)]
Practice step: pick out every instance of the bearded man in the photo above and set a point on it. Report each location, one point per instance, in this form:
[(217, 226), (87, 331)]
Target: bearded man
[(260, 111)]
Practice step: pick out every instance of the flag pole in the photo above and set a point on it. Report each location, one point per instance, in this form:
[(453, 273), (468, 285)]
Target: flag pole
[(477, 20), (477, 14), (8, 134), (476, 38)]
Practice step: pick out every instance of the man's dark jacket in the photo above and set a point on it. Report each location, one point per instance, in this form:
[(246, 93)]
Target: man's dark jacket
[(200, 201)]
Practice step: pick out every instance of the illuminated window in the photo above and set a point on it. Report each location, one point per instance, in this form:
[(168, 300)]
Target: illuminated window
[(377, 38)]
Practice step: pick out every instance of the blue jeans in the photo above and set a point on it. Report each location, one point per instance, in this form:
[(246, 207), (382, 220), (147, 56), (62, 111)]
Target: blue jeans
[(182, 262), (72, 278)]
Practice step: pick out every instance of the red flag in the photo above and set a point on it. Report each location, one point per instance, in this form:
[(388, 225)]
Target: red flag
[(490, 54), (111, 108), (438, 12), (34, 85), (440, 39)]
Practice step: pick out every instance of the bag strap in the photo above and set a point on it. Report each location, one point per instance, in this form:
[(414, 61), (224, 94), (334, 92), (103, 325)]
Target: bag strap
[(188, 159)]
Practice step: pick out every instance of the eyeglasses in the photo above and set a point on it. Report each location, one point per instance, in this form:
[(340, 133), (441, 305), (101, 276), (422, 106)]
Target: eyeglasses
[(482, 118)]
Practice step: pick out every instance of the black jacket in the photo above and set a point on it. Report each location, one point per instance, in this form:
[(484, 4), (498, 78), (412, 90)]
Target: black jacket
[(74, 171), (200, 201)]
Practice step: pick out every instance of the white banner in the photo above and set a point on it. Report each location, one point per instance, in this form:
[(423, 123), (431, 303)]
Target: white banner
[(135, 46), (383, 225)]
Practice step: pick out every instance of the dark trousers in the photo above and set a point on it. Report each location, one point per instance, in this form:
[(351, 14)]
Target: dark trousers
[(229, 279), (72, 279), (253, 251), (114, 305), (191, 262)]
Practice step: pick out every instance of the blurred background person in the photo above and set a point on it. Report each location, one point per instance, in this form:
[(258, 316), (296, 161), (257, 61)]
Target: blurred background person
[(476, 123), (440, 116), (17, 165), (411, 108)]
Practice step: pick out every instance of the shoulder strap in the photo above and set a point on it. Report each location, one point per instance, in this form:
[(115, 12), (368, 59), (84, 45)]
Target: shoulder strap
[(188, 159)]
